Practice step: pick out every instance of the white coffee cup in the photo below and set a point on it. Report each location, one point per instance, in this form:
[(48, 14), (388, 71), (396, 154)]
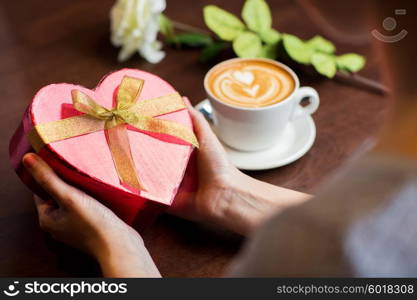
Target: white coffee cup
[(254, 129)]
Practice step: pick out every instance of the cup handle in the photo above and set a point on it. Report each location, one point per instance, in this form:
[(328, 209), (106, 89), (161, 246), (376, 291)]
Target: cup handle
[(207, 111), (307, 92)]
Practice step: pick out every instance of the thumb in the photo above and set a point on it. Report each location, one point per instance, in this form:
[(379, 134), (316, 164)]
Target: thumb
[(211, 151), (205, 134)]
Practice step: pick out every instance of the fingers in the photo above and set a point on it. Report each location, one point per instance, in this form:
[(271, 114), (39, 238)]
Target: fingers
[(43, 207), (202, 128), (48, 180), (212, 152)]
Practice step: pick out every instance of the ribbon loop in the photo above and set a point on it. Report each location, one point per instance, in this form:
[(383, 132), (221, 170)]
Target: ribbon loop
[(85, 104), (129, 90), (139, 115)]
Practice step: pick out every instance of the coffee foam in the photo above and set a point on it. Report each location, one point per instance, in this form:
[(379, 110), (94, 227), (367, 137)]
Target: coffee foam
[(250, 83)]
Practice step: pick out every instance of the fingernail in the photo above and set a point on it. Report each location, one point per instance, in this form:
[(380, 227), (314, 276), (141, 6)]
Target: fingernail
[(29, 160), (187, 100)]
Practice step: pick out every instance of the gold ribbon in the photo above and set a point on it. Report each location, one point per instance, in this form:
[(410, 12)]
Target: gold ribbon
[(114, 121)]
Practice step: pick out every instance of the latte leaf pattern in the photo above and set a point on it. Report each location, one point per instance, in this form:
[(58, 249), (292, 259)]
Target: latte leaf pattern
[(251, 84)]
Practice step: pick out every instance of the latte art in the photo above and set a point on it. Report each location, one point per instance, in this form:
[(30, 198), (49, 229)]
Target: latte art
[(250, 83)]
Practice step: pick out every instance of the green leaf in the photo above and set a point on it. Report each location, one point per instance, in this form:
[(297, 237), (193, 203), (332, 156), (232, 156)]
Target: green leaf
[(269, 51), (324, 64), (212, 50), (297, 49), (350, 62), (226, 25), (166, 27), (319, 43), (257, 15), (247, 44), (270, 36), (193, 39)]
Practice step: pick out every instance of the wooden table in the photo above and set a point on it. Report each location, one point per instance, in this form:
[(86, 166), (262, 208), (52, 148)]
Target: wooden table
[(48, 41)]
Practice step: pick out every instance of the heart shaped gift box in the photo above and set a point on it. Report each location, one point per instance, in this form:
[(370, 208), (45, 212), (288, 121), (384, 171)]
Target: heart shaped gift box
[(87, 161)]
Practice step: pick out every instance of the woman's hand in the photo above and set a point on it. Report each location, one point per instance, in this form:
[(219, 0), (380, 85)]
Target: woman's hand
[(74, 218), (215, 175), (225, 195)]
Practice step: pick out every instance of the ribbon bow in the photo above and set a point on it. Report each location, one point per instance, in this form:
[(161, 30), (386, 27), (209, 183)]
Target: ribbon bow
[(114, 121)]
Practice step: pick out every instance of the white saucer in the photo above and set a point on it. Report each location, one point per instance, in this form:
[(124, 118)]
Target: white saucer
[(297, 139)]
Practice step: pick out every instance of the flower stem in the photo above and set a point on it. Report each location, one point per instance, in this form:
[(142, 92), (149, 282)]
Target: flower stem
[(355, 79), (189, 28), (362, 82)]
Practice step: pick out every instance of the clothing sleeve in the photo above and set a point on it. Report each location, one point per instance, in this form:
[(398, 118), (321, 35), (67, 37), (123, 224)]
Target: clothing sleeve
[(363, 224)]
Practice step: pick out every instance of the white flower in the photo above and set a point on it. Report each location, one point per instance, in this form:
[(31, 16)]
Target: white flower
[(135, 26)]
